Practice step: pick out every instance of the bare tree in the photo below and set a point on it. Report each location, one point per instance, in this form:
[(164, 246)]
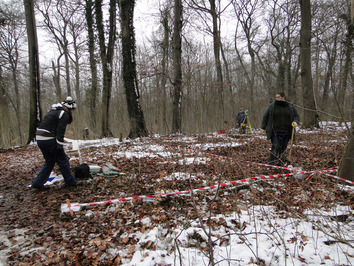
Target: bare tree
[(330, 46), (246, 11), (76, 31), (165, 13), (310, 113), (346, 168), (177, 68), (11, 42), (92, 94), (57, 16), (267, 60), (34, 75), (213, 8), (351, 76), (56, 78), (348, 66), (3, 108), (106, 54), (282, 27), (136, 115)]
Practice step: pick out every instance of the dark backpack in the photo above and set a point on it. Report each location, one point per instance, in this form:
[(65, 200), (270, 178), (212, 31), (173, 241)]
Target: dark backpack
[(82, 171)]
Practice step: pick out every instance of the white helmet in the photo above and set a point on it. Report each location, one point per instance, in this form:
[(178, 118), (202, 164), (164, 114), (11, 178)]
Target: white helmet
[(69, 103)]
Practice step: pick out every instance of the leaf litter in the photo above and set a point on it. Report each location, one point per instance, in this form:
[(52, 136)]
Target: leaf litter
[(307, 220)]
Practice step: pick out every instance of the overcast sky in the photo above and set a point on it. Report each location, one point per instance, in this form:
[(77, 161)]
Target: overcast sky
[(146, 22)]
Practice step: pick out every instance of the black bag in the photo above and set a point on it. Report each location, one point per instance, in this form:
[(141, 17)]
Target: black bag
[(82, 171)]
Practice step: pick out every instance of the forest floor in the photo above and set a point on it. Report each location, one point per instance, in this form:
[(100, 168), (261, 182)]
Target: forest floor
[(181, 228)]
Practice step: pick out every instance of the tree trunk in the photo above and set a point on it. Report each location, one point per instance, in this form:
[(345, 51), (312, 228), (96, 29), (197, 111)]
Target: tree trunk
[(177, 68), (288, 73), (107, 59), (56, 78), (279, 48), (136, 116), (216, 45), (245, 12), (253, 75), (328, 78), (165, 64), (67, 68), (3, 108), (35, 110), (92, 94), (76, 63), (352, 76), (346, 167), (325, 93), (310, 112), (348, 62), (17, 93)]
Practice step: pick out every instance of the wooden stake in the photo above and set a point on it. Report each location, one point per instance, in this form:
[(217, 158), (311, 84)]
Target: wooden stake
[(291, 143), (69, 206)]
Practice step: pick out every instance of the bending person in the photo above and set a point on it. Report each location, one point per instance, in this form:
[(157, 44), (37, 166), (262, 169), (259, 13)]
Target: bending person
[(50, 139)]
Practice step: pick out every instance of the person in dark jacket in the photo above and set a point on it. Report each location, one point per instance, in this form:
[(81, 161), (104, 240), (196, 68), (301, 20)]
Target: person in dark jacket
[(243, 121), (50, 140), (278, 122), (240, 117)]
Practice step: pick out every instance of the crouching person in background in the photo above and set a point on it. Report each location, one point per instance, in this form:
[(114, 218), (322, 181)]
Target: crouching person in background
[(50, 140)]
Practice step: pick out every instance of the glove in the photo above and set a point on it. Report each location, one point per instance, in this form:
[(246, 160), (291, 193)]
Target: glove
[(294, 124)]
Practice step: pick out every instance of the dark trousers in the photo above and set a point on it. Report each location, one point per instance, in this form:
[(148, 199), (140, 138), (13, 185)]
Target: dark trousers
[(51, 156), (279, 143)]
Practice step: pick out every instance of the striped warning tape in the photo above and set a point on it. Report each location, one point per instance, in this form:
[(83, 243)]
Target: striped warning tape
[(74, 207), (68, 207), (339, 178)]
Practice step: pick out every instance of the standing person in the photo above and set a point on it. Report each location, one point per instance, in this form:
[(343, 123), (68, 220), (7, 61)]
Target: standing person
[(243, 121), (240, 117), (50, 139), (278, 122)]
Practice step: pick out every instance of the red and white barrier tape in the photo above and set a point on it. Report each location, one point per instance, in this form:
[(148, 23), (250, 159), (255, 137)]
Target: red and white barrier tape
[(339, 178), (71, 207), (74, 207)]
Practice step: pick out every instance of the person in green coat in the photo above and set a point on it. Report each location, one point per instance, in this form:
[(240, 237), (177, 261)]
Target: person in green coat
[(278, 122)]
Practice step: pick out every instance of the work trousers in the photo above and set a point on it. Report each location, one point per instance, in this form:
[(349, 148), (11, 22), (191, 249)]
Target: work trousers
[(52, 154), (279, 143)]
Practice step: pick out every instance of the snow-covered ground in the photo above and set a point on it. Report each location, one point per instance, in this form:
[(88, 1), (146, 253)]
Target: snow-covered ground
[(276, 238), (251, 232)]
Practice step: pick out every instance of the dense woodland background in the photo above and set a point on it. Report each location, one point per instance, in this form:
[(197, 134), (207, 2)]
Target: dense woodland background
[(197, 63)]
